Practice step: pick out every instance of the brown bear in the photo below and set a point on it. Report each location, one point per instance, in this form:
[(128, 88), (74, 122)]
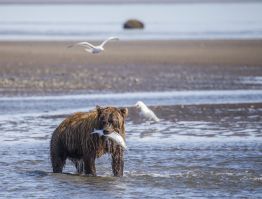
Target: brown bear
[(73, 139)]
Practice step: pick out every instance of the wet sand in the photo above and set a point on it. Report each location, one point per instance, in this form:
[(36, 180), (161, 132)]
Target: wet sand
[(39, 68)]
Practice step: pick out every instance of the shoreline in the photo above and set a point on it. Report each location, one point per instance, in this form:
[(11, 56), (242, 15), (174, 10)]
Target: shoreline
[(44, 68)]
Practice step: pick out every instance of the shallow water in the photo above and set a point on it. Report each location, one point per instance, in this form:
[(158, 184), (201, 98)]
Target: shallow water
[(197, 150)]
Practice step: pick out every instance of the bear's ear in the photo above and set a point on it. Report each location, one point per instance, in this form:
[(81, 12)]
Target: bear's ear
[(124, 112), (98, 109)]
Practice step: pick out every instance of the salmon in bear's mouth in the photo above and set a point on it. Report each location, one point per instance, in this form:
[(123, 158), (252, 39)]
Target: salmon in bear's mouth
[(117, 138), (114, 136)]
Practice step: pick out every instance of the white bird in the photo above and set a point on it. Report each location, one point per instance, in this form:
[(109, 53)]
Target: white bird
[(94, 49), (146, 112)]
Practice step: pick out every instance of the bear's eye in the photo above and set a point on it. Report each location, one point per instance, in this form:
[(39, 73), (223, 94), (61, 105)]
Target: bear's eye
[(103, 120)]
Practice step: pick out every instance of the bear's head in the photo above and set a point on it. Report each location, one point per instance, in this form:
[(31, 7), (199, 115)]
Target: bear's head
[(111, 119)]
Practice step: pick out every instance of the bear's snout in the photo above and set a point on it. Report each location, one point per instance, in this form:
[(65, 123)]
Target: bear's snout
[(107, 131)]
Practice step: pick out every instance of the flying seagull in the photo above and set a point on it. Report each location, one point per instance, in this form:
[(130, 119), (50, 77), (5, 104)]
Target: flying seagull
[(94, 49), (146, 112)]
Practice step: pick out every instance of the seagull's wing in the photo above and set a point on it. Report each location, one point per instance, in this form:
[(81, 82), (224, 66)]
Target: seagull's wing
[(153, 116), (150, 114), (108, 39), (84, 43)]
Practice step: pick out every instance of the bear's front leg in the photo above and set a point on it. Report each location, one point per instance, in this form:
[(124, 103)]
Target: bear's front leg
[(118, 162), (89, 164)]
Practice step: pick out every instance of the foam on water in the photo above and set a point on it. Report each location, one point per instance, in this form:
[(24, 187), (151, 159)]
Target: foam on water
[(251, 80)]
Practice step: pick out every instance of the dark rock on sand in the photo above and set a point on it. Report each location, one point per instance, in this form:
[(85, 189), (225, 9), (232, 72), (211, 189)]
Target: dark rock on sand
[(133, 24)]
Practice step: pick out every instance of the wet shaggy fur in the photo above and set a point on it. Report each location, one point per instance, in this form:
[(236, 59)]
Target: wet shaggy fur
[(73, 140)]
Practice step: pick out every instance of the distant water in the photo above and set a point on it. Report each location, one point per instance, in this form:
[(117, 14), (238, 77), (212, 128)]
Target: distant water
[(162, 21), (69, 103)]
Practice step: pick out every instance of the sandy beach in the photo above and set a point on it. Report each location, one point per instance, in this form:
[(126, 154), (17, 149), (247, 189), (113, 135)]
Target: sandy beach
[(50, 67)]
